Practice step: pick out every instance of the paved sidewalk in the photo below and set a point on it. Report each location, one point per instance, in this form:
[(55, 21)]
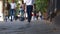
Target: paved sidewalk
[(21, 27), (13, 25)]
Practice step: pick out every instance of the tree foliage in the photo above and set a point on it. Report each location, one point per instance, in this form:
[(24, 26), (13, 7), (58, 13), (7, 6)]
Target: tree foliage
[(41, 5)]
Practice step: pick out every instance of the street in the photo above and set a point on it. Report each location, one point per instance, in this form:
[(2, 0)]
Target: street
[(23, 27)]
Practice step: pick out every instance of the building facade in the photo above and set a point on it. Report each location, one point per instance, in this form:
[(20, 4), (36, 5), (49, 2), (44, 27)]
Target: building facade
[(1, 10), (55, 4)]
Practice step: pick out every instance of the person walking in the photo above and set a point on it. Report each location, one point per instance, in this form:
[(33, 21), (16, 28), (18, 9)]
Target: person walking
[(34, 10), (22, 11), (7, 5), (12, 10), (29, 7)]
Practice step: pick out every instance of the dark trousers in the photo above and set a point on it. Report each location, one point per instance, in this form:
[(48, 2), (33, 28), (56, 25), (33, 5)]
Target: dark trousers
[(8, 13), (29, 12)]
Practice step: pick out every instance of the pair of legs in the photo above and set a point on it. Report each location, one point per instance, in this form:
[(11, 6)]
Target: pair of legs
[(6, 17), (21, 15), (12, 13), (29, 12)]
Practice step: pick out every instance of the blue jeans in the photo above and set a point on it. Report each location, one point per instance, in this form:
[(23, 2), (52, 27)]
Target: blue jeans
[(29, 12), (12, 13), (22, 13)]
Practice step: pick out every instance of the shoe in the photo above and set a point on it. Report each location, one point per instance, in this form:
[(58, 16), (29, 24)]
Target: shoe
[(11, 20)]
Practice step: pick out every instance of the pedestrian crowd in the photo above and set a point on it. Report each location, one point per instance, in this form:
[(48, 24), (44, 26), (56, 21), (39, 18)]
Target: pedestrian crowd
[(27, 10)]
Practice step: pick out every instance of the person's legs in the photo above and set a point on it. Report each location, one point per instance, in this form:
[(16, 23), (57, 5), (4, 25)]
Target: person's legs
[(6, 18), (41, 17), (12, 14), (8, 13), (22, 15), (29, 11), (37, 17)]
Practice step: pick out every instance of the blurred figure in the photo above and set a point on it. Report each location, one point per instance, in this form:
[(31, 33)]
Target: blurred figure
[(8, 8), (33, 16), (7, 5), (40, 15), (29, 7), (6, 17), (53, 14), (34, 10), (37, 15), (22, 11), (12, 10)]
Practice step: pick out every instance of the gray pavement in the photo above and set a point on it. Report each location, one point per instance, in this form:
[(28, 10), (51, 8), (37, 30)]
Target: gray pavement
[(23, 27), (57, 20)]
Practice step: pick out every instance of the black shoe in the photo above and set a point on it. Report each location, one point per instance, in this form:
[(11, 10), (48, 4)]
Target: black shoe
[(11, 20)]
